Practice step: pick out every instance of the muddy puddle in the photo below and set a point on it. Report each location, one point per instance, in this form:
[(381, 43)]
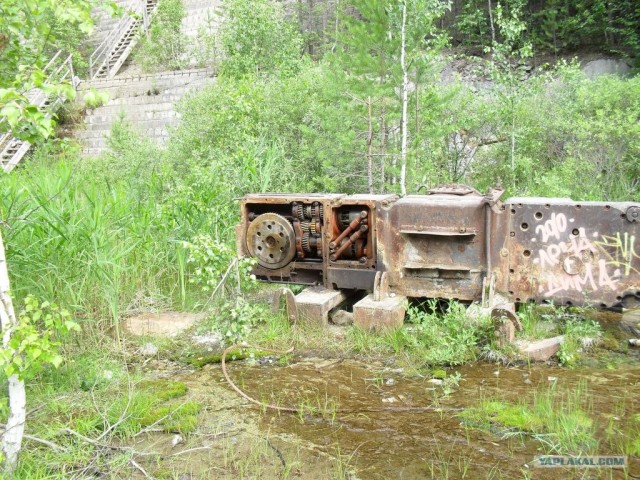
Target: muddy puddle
[(395, 443), (357, 420), (364, 425)]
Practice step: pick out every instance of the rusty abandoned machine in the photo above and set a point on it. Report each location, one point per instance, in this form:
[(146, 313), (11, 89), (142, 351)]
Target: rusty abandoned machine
[(452, 243)]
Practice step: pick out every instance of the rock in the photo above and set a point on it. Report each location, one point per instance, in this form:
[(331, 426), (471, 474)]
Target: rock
[(168, 324), (606, 66), (210, 340), (630, 322), (148, 350), (389, 400), (552, 379), (436, 381), (176, 440), (527, 381), (541, 350), (389, 381), (342, 317), (634, 342)]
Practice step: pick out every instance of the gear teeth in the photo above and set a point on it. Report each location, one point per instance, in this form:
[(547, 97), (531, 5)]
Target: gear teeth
[(298, 211), (305, 242), (305, 226)]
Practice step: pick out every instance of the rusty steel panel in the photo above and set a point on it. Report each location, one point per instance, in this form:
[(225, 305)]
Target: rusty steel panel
[(450, 243), (435, 245), (572, 253)]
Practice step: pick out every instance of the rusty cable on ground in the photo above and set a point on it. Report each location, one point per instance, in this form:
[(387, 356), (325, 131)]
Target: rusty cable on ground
[(278, 408)]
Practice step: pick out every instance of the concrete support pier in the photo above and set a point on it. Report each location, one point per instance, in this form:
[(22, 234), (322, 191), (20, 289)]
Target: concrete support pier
[(313, 304), (386, 313)]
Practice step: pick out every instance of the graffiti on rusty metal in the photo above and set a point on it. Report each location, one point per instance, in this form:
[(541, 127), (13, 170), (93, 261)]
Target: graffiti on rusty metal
[(451, 243)]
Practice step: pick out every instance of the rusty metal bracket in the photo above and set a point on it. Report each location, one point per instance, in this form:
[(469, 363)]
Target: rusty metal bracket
[(381, 286), (290, 303)]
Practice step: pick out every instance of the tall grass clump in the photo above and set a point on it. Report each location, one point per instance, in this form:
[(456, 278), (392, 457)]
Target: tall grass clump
[(561, 420), (98, 238), (444, 336)]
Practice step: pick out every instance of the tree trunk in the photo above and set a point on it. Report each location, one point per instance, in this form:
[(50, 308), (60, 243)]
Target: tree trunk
[(12, 437), (493, 29), (405, 101), (383, 148), (369, 148)]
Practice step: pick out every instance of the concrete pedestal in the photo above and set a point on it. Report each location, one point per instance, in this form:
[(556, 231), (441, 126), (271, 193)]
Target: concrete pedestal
[(313, 304), (386, 313)]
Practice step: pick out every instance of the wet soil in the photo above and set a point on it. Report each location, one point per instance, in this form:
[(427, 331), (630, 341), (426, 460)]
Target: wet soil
[(354, 425)]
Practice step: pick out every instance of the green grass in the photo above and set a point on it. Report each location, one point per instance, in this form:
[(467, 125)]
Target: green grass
[(562, 421), (97, 396), (537, 322), (430, 337)]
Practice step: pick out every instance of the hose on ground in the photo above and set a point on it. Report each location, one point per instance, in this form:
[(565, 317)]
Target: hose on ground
[(278, 408)]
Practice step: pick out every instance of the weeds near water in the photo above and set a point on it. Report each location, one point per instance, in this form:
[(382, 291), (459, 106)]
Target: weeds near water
[(442, 465), (343, 470), (537, 322), (324, 407), (560, 420)]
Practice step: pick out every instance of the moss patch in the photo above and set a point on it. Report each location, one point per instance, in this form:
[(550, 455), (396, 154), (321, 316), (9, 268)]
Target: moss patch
[(556, 419), (200, 361)]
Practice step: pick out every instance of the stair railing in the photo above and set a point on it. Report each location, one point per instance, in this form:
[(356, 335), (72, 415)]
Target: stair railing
[(104, 52), (56, 71)]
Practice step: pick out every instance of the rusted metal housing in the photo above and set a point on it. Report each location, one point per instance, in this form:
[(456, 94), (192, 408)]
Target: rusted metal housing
[(450, 243)]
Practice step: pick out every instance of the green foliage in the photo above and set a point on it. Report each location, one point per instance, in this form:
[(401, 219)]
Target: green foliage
[(264, 134), (165, 47), (580, 335), (557, 26), (368, 49), (448, 337), (537, 323), (35, 339), (205, 52), (213, 261), (574, 137), (30, 31), (257, 39), (239, 317), (559, 420), (94, 99), (472, 27)]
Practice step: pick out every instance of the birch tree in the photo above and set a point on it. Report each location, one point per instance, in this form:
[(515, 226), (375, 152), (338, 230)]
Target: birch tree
[(405, 99), (384, 46), (12, 437), (30, 341)]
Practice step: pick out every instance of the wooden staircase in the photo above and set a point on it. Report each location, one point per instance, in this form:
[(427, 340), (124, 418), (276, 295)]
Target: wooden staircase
[(12, 149), (107, 59)]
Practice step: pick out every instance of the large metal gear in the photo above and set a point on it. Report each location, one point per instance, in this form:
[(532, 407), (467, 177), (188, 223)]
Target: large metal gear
[(271, 239)]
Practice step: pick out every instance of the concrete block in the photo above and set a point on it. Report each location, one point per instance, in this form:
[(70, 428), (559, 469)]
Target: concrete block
[(313, 304), (541, 350), (387, 313)]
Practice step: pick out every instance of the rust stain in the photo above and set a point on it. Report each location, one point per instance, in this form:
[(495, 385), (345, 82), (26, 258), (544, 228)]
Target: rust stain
[(450, 243)]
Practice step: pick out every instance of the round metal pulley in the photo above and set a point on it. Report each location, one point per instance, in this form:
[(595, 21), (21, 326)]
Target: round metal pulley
[(271, 239)]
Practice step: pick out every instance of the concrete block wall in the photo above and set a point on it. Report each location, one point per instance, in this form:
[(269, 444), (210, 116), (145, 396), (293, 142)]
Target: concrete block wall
[(200, 14), (146, 101)]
